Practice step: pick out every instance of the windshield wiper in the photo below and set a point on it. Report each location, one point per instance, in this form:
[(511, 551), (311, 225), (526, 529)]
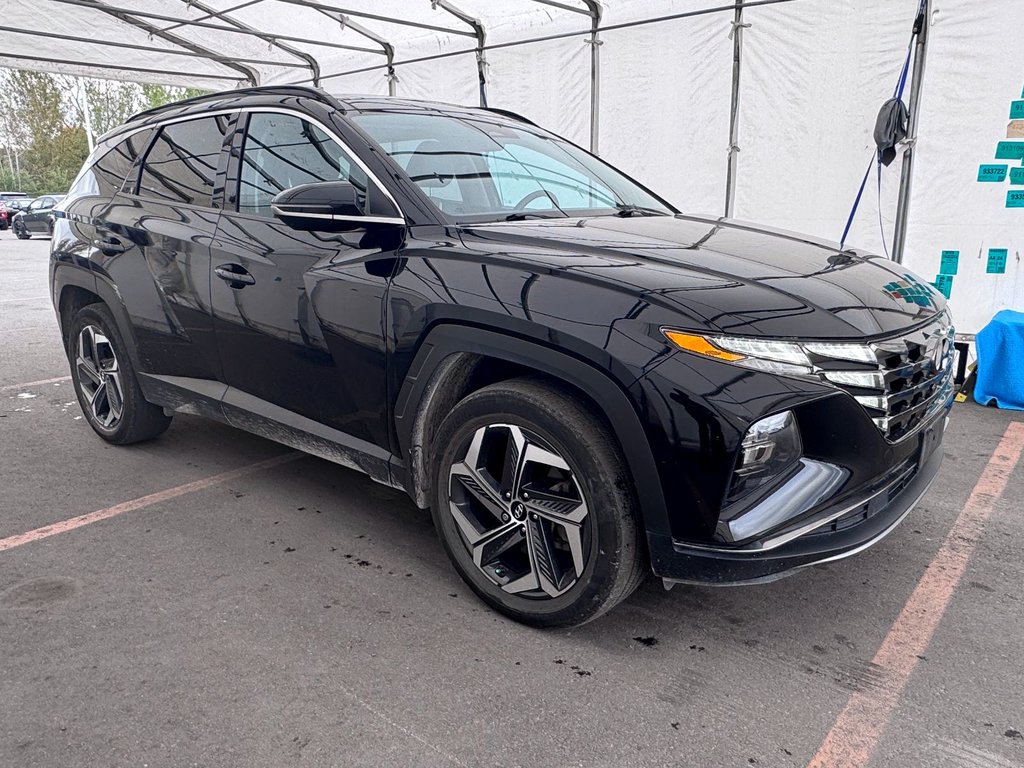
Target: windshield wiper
[(524, 215), (625, 210)]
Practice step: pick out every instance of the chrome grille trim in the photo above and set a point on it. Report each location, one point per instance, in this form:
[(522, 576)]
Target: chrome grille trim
[(911, 379)]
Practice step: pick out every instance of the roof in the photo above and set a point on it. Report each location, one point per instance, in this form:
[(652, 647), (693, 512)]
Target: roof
[(271, 95)]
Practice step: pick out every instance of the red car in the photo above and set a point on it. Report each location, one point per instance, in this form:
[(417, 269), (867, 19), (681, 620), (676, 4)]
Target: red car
[(6, 210)]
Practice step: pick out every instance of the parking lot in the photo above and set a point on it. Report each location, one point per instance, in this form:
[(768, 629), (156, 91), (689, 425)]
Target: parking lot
[(235, 603)]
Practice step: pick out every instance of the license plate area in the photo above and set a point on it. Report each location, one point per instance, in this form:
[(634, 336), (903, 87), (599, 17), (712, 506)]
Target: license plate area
[(930, 438)]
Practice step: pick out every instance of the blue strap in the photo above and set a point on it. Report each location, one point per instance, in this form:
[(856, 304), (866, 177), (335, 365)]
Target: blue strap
[(876, 159), (856, 203)]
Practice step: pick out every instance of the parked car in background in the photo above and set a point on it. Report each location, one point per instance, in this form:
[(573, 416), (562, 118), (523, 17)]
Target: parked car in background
[(10, 204), (582, 383), (36, 218)]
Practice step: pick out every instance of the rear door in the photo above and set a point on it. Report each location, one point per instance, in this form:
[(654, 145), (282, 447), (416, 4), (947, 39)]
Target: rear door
[(301, 328), (153, 243)]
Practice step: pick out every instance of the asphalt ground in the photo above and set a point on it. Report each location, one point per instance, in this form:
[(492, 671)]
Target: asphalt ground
[(299, 614)]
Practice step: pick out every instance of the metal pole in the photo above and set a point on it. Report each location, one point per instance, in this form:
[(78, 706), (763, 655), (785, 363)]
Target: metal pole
[(87, 115), (734, 109), (595, 43), (899, 237)]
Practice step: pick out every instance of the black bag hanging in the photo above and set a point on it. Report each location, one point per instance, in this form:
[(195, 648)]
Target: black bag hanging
[(891, 129)]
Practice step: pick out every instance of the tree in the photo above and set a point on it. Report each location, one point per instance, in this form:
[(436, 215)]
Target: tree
[(43, 141)]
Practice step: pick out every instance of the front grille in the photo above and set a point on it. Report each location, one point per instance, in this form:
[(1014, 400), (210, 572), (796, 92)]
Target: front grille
[(910, 379)]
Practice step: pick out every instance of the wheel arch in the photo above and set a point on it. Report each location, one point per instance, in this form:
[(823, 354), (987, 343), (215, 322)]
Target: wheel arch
[(454, 360), (75, 288)]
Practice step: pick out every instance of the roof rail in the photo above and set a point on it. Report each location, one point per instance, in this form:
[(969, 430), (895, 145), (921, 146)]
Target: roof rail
[(284, 90)]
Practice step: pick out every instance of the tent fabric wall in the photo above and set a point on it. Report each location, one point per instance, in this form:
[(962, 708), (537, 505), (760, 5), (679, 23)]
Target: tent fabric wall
[(974, 73), (814, 75)]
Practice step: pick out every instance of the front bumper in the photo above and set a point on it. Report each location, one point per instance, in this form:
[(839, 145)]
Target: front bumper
[(832, 534)]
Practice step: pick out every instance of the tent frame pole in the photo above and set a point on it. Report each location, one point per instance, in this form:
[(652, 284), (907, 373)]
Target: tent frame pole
[(899, 237), (481, 42), (249, 73), (309, 59), (734, 110), (594, 10), (386, 48)]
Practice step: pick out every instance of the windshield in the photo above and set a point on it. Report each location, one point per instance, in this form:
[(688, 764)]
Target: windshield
[(480, 167)]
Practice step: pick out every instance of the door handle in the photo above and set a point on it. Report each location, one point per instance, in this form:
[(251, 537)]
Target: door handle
[(109, 245), (234, 275)]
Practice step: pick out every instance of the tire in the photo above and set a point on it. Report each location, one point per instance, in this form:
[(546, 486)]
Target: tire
[(21, 232), (105, 382), (560, 545)]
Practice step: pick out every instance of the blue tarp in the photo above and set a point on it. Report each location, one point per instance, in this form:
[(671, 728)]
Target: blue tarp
[(1000, 346)]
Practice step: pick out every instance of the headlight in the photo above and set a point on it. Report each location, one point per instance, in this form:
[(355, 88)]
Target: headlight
[(769, 355), (770, 450), (761, 355)]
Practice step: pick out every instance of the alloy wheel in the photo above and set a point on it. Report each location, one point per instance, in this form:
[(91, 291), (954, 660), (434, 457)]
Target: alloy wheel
[(520, 512), (99, 377)]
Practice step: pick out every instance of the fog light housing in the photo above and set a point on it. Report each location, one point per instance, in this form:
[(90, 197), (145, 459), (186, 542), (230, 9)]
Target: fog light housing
[(769, 453)]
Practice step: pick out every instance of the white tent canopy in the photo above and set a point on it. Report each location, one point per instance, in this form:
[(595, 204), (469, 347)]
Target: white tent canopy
[(657, 94)]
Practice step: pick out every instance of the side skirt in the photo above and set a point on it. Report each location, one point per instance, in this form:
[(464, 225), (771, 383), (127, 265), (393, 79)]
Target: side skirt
[(214, 400)]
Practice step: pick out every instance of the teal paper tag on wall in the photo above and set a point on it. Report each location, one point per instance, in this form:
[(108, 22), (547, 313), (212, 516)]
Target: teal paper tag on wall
[(1017, 110), (996, 261), (1015, 198), (1010, 150), (945, 284), (992, 173), (949, 262), (1017, 175)]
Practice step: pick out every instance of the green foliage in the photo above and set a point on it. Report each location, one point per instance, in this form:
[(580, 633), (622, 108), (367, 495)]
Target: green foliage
[(43, 141)]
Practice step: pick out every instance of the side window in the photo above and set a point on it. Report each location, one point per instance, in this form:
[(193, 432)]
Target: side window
[(117, 169), (284, 151), (181, 166), (114, 169)]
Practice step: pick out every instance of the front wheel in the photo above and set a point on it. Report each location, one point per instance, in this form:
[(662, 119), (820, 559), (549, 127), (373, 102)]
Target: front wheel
[(535, 506), (20, 231), (105, 381)]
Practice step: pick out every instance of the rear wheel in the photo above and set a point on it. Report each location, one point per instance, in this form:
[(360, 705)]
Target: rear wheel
[(105, 382), (534, 505)]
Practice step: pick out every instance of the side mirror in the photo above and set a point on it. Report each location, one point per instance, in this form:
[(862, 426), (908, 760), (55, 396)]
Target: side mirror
[(327, 206)]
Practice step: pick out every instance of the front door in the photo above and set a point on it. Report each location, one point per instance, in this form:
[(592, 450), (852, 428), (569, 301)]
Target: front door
[(298, 315)]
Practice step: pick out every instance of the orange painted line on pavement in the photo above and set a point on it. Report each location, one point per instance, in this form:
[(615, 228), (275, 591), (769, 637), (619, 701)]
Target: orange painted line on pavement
[(40, 383), (859, 727), (143, 501)]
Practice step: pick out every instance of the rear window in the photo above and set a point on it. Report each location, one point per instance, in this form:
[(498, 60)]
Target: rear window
[(181, 166)]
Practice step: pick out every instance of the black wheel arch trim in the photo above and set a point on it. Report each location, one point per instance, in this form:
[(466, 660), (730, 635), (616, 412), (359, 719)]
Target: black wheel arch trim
[(449, 349), (70, 276)]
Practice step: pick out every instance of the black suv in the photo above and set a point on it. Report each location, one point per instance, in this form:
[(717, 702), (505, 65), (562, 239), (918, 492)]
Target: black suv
[(580, 382)]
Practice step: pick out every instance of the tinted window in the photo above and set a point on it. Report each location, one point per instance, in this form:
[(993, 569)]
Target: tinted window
[(182, 163), (284, 151), (113, 168)]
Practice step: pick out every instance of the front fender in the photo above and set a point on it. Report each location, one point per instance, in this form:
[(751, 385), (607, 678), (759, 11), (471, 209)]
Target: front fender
[(445, 341)]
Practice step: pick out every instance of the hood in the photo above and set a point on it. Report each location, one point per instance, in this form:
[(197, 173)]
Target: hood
[(723, 275)]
